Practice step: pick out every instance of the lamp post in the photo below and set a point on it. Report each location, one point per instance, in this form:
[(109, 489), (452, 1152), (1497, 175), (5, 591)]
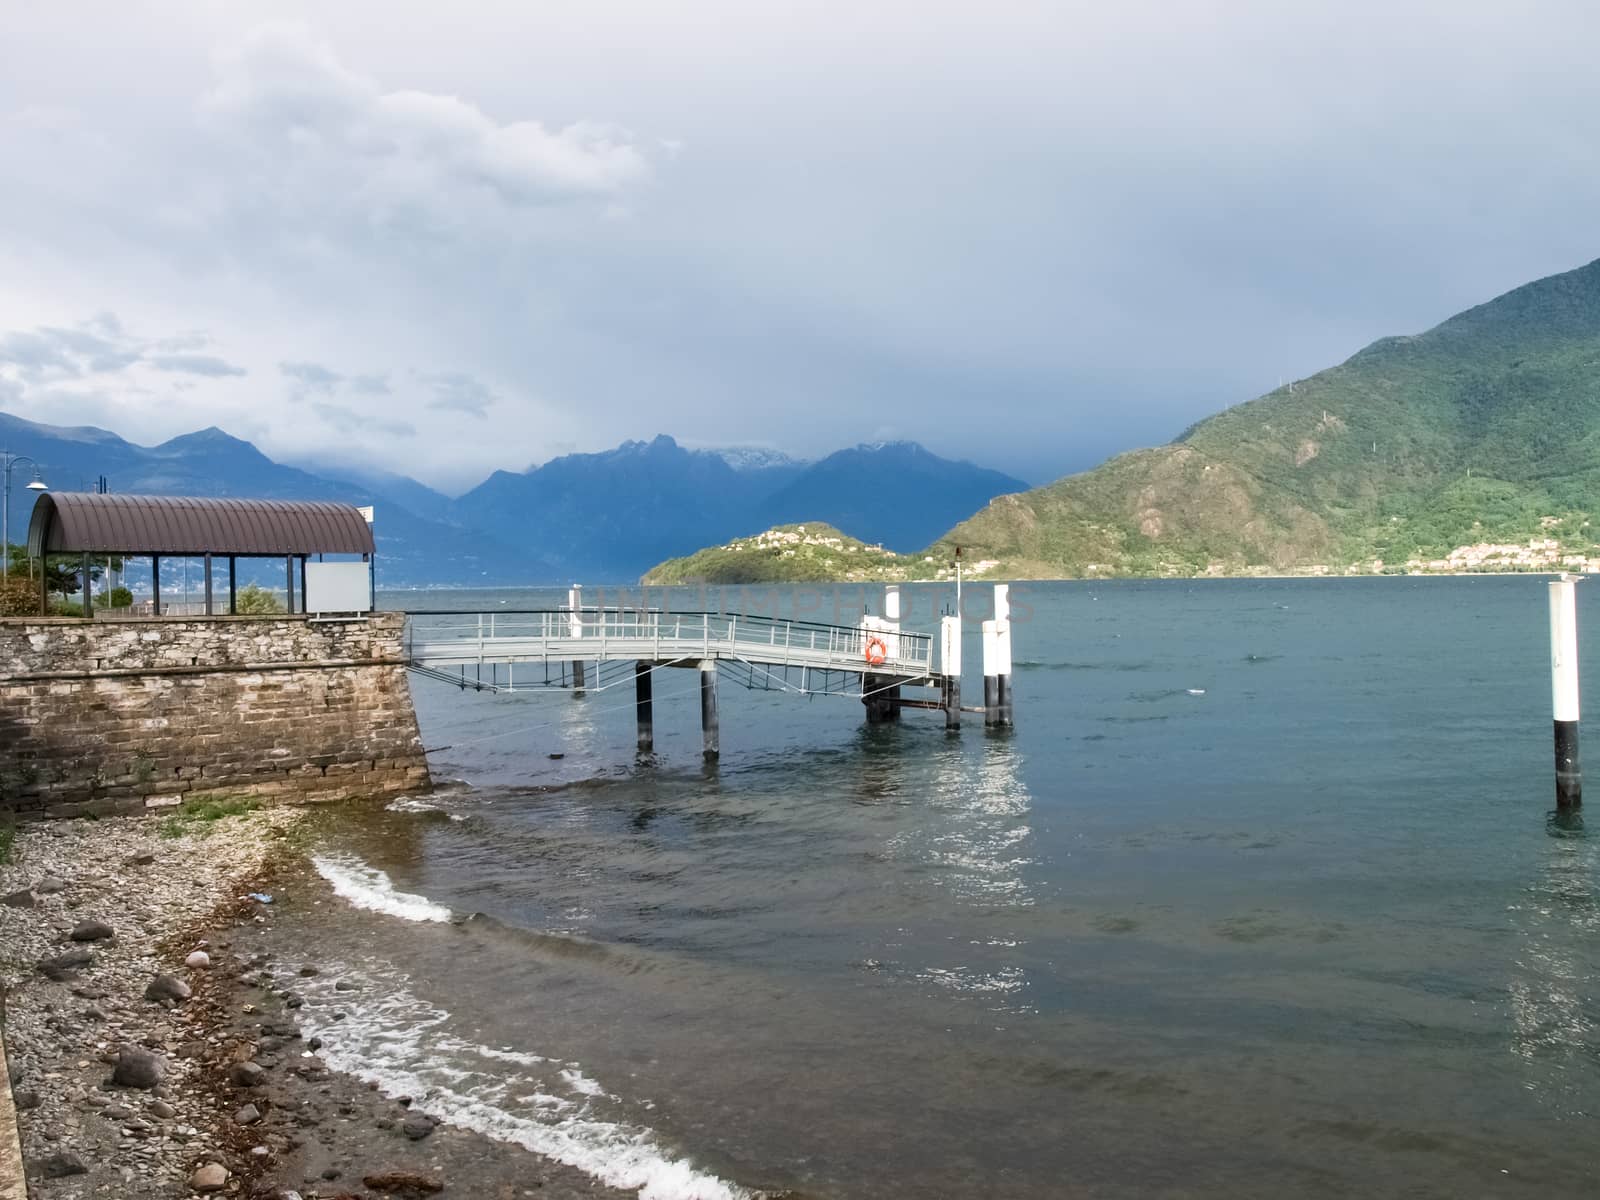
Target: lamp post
[(10, 460)]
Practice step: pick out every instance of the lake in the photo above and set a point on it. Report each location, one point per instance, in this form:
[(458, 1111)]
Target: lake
[(1260, 897)]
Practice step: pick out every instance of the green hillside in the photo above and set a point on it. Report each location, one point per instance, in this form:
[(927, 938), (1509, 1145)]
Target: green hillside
[(1473, 446), (1483, 430), (810, 553)]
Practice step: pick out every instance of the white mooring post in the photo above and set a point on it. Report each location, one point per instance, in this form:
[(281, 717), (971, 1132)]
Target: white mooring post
[(950, 668), (991, 680), (1564, 690), (575, 629), (882, 700), (1002, 664)]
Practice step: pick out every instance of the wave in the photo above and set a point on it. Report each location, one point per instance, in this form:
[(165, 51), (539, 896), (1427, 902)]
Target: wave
[(416, 804), (368, 887), (404, 1045)]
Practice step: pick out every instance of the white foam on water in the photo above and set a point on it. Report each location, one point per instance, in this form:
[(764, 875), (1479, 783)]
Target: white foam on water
[(581, 1083), (416, 804), (367, 887), (402, 1043)]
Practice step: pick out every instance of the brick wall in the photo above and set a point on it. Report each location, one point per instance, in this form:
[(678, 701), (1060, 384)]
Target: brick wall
[(120, 716)]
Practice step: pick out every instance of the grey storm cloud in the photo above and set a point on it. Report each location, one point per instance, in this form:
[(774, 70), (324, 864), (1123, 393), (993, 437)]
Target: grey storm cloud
[(311, 376), (456, 391), (1031, 232), (195, 364), (349, 421), (95, 347)]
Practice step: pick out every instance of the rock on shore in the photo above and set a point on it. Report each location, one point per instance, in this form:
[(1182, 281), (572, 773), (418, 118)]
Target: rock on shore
[(110, 1105)]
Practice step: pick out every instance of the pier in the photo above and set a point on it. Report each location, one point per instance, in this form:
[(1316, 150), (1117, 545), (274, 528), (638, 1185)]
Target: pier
[(508, 651)]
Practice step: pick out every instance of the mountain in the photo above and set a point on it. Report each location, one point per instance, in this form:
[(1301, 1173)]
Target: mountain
[(610, 516), (1482, 432), (416, 498), (759, 458), (895, 493), (411, 550), (605, 517), (807, 553)]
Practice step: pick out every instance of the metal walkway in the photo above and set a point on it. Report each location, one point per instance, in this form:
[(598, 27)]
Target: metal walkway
[(873, 661), (439, 643)]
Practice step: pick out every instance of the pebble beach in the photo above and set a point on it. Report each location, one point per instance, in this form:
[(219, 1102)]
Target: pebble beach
[(150, 1034)]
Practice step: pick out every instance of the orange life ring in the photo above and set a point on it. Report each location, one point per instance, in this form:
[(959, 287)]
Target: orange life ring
[(877, 652)]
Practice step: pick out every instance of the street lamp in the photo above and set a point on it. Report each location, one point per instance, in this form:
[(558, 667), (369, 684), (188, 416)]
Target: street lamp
[(10, 460)]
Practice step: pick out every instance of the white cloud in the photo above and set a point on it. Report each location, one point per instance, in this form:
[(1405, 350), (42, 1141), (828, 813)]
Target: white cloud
[(329, 139)]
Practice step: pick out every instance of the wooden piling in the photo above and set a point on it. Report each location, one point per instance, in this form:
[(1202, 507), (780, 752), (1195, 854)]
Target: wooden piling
[(881, 698), (642, 673), (709, 726)]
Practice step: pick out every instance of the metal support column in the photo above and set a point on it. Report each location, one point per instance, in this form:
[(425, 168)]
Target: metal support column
[(88, 588), (288, 564), (233, 585), (211, 609), (642, 672), (709, 725), (155, 584)]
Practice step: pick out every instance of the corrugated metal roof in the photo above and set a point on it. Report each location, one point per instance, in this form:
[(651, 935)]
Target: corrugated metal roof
[(87, 522)]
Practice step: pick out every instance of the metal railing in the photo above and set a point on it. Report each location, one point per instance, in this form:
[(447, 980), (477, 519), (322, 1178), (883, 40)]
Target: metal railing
[(601, 633)]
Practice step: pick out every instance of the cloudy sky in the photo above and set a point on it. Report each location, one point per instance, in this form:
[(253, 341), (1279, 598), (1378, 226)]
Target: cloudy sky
[(443, 239)]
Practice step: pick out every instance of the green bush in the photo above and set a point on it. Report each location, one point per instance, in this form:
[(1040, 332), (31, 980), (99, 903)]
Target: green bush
[(120, 597), (256, 601), (19, 597)]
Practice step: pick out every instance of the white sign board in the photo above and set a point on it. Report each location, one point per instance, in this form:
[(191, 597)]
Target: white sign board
[(338, 587)]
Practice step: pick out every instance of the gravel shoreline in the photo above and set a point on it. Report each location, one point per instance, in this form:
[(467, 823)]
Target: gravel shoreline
[(92, 915), (149, 1019)]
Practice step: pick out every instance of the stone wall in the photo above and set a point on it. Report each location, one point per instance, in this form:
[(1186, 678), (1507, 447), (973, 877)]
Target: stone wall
[(120, 716)]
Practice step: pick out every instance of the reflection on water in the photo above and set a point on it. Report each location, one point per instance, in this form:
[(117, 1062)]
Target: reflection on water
[(975, 830), (974, 840), (1552, 993)]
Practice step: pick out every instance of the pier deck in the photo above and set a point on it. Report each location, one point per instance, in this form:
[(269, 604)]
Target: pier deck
[(445, 641)]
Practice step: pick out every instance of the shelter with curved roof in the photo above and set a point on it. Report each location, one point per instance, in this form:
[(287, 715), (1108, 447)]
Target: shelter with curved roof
[(96, 524)]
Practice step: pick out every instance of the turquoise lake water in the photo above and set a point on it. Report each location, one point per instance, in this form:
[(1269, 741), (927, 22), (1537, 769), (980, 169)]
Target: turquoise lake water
[(1260, 897)]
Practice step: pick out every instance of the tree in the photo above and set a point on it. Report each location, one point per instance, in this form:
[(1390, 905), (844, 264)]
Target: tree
[(256, 601)]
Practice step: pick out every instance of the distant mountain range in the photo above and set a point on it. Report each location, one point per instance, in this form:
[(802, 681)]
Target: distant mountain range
[(411, 549), (607, 515), (1472, 446), (599, 518)]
